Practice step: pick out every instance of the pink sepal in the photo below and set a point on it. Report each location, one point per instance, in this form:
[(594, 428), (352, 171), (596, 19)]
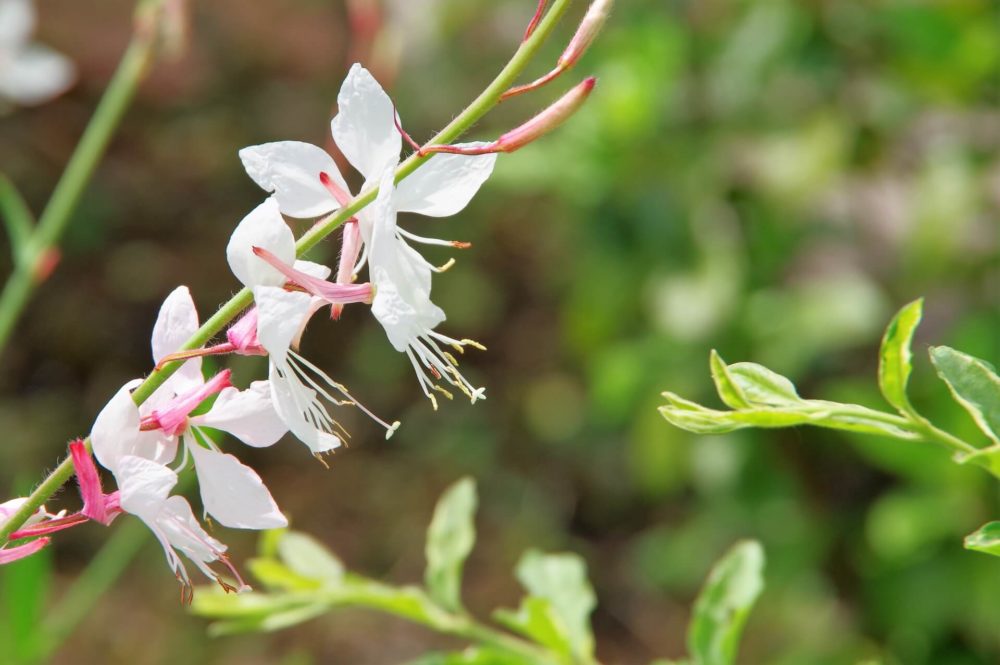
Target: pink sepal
[(10, 554)]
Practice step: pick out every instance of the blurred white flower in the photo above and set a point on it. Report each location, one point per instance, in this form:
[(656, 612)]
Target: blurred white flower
[(29, 73)]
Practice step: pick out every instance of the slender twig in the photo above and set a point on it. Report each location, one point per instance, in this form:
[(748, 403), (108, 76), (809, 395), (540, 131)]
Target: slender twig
[(488, 99), (38, 246)]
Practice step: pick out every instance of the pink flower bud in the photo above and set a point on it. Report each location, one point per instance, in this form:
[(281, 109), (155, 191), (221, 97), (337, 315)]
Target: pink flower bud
[(591, 24), (548, 119)]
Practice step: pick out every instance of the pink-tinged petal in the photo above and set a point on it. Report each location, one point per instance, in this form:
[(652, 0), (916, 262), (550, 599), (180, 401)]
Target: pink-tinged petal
[(95, 503), (445, 184), (291, 170), (233, 493), (116, 430), (281, 315), (292, 400), (35, 75), (243, 334), (248, 415), (365, 126), (263, 227), (333, 293), (9, 554), (176, 322)]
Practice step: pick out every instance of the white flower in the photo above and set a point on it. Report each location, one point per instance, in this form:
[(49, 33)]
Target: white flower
[(261, 254), (306, 183), (365, 131), (144, 488), (402, 279), (29, 73), (231, 491)]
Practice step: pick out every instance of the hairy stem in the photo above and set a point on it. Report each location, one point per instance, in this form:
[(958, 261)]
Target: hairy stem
[(489, 98)]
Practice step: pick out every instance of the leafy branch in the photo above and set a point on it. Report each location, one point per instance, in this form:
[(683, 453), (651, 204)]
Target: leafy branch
[(302, 581), (759, 397)]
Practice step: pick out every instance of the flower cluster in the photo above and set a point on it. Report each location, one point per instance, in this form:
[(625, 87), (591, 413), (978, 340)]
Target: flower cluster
[(146, 443)]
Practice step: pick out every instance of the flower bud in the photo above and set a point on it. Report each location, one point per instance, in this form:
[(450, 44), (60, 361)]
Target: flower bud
[(547, 120), (591, 24)]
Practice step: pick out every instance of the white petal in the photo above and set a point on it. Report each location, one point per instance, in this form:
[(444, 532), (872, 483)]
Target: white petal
[(291, 170), (317, 270), (233, 493), (116, 430), (445, 184), (248, 415), (365, 128), (291, 400), (280, 316), (17, 22), (176, 527), (263, 227), (35, 75), (175, 324), (144, 486)]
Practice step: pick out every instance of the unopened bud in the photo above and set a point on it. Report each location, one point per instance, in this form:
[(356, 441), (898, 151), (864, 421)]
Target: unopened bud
[(591, 24), (547, 120)]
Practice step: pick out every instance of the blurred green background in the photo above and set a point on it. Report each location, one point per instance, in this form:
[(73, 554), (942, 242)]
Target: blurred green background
[(769, 178)]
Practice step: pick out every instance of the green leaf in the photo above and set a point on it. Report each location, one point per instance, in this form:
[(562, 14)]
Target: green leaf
[(985, 539), (762, 387), (724, 603), (537, 620), (308, 558), (974, 384), (474, 656), (729, 391), (408, 602), (276, 576), (269, 622), (561, 579), (16, 216), (450, 538), (896, 358), (210, 601)]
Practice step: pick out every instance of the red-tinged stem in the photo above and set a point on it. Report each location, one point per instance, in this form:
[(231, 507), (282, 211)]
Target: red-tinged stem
[(535, 19), (534, 85)]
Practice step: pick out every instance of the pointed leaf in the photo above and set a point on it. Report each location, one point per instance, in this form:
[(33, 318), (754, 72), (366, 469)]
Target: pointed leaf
[(561, 579), (985, 539), (537, 620), (762, 387), (729, 391), (974, 384), (450, 538), (724, 604), (896, 358), (308, 558), (479, 655)]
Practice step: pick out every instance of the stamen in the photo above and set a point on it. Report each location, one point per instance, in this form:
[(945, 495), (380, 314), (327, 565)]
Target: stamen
[(342, 197)]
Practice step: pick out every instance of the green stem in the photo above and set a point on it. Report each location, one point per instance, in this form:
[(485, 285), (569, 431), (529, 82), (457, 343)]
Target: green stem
[(59, 210), (230, 310)]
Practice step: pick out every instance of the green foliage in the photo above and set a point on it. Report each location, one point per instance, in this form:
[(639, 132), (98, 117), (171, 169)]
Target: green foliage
[(724, 604), (985, 539), (302, 581), (16, 216), (450, 538), (761, 398), (974, 384), (896, 359)]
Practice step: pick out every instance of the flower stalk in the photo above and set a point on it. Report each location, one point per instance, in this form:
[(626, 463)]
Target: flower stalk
[(133, 66)]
